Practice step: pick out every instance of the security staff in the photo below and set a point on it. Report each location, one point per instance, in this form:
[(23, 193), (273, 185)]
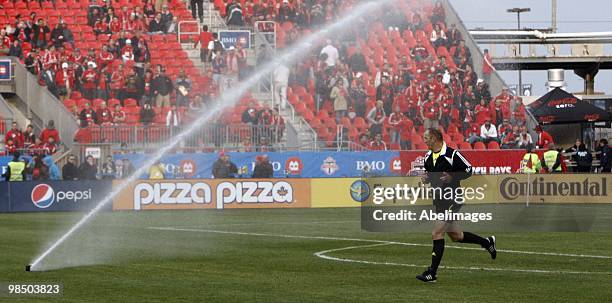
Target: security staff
[(531, 162), (15, 170), (156, 171), (552, 160)]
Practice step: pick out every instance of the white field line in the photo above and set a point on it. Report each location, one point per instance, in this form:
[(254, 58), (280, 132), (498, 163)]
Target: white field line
[(273, 223), (323, 255), (368, 241)]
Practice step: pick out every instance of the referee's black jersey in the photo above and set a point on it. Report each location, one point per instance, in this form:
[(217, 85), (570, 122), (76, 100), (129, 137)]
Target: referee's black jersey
[(449, 161)]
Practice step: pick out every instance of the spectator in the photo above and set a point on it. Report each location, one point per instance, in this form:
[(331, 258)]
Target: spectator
[(161, 87), (263, 167), (87, 116), (281, 81), (49, 147), (173, 118), (438, 36), (37, 169), (147, 114), (204, 40), (40, 31), (376, 118), (395, 122), (64, 81), (584, 159), (90, 80), (218, 67), (15, 169), (173, 26), (339, 96), (234, 14), (488, 132), (49, 132), (15, 50), (156, 26), (104, 115), (15, 135), (215, 47), (88, 169), (166, 18), (249, 116), (29, 137), (524, 139), (156, 171), (118, 115), (544, 138), (487, 66), (183, 87), (378, 143), (430, 112), (605, 159), (509, 137), (332, 54), (54, 173), (472, 135), (223, 168), (197, 9), (70, 171)]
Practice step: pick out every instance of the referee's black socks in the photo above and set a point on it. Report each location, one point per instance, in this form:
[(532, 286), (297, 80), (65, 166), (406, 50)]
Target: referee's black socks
[(436, 254), (469, 237)]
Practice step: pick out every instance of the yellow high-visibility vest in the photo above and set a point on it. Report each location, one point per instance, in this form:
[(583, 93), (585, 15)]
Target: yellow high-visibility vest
[(550, 157), (156, 172), (17, 169), (532, 167)]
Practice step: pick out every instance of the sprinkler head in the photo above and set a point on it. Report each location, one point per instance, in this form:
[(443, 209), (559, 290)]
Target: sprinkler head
[(28, 267)]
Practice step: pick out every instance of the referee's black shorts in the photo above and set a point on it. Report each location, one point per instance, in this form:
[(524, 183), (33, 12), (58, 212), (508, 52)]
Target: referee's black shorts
[(446, 205)]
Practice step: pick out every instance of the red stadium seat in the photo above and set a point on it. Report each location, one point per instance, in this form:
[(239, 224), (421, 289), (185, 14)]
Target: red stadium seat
[(493, 145), (465, 146), (479, 145)]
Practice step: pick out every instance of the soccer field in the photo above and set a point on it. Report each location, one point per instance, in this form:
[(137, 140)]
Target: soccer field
[(297, 255)]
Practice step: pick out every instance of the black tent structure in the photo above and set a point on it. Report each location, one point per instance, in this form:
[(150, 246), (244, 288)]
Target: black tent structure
[(561, 107)]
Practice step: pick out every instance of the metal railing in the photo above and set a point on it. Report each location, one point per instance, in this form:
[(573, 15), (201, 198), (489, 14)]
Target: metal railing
[(208, 136), (182, 33)]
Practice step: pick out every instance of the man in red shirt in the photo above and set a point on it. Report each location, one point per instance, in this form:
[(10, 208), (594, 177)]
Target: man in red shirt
[(430, 112), (118, 115), (487, 67), (378, 143), (395, 119), (15, 134), (105, 116), (205, 38), (50, 132), (544, 138), (10, 147), (49, 147), (90, 81)]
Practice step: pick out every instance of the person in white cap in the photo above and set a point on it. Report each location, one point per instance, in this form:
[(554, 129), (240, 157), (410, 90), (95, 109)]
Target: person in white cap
[(64, 81), (127, 52), (331, 52)]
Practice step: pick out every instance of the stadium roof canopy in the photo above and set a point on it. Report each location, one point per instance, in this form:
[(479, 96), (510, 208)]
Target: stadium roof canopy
[(561, 107)]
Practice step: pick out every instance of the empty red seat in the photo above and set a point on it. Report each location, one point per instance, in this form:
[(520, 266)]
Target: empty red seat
[(479, 145), (493, 145), (465, 146)]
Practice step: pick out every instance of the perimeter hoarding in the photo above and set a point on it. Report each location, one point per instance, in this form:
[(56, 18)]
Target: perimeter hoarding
[(56, 195), (214, 194)]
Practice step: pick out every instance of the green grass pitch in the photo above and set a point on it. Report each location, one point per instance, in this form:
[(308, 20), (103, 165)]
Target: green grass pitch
[(271, 256)]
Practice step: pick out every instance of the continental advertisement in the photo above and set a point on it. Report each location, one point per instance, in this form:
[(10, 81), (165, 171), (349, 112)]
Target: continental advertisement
[(478, 189), (214, 194)]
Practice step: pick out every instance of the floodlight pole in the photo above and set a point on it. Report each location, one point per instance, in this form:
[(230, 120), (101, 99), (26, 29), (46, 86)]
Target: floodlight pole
[(518, 12)]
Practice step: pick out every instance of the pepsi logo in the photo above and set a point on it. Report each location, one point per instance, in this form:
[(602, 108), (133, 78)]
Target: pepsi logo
[(43, 196)]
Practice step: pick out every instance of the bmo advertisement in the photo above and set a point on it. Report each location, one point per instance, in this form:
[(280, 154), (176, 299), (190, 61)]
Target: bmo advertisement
[(56, 195)]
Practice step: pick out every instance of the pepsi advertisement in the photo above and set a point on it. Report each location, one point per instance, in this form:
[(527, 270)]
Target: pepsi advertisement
[(55, 195), (285, 164)]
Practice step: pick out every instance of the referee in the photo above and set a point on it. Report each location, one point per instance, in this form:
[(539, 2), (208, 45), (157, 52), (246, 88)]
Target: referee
[(446, 168)]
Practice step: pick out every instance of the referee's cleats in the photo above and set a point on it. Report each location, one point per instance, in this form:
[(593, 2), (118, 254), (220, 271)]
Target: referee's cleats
[(492, 249), (427, 276)]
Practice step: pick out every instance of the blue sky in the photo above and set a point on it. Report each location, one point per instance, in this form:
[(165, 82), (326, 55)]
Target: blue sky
[(572, 16)]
